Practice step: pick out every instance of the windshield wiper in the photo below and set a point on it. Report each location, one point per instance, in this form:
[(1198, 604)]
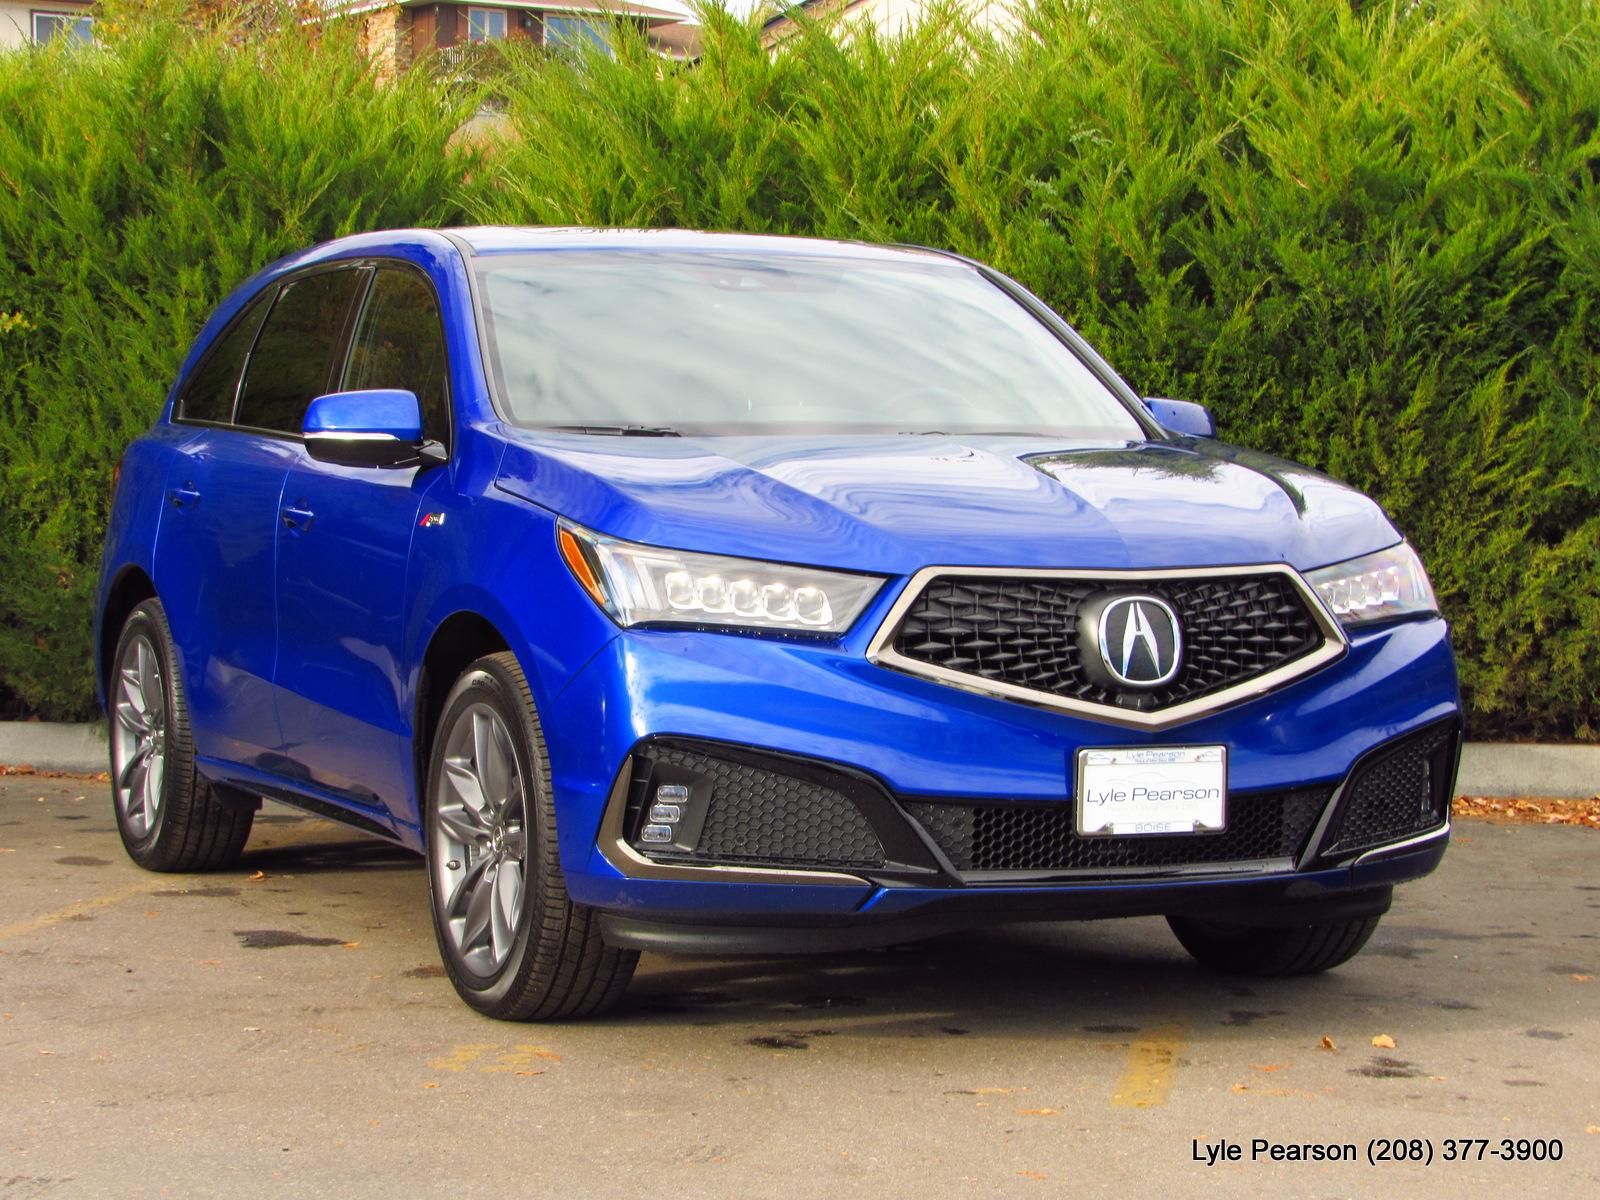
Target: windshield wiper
[(620, 430)]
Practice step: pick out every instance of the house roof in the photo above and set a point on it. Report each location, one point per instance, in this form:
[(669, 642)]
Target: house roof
[(614, 8)]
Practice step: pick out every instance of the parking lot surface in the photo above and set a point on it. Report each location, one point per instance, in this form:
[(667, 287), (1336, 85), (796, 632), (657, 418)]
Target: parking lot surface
[(283, 1029)]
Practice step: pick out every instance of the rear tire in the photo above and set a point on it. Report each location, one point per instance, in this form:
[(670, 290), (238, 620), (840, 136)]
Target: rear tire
[(1272, 951), (513, 943), (169, 816)]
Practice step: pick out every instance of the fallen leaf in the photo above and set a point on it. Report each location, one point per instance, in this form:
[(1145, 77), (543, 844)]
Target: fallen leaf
[(350, 945), (252, 1029), (1268, 1066), (1593, 1129), (1240, 1087), (210, 962), (1037, 1112), (430, 1085), (1383, 1042), (1034, 1174), (530, 1072), (1327, 1044), (1583, 979)]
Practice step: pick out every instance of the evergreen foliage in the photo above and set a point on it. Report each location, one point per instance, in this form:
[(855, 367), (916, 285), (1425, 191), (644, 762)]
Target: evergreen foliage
[(1366, 233)]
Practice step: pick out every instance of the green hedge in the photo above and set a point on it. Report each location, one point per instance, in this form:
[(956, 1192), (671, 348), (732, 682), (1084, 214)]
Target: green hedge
[(1367, 234)]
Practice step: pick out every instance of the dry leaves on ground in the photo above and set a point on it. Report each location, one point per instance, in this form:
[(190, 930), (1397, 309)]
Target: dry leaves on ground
[(25, 769), (1530, 810), (1383, 1042)]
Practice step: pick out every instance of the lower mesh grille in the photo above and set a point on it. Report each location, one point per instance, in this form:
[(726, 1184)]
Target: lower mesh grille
[(1403, 791), (759, 816), (1034, 837)]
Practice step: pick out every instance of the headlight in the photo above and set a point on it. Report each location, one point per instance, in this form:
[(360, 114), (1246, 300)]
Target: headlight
[(1376, 587), (646, 585)]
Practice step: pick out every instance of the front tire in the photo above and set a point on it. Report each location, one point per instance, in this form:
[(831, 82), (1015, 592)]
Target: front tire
[(513, 943), (169, 817), (1272, 951)]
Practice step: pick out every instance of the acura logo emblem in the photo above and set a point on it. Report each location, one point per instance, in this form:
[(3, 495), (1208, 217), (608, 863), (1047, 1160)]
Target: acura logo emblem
[(1138, 638)]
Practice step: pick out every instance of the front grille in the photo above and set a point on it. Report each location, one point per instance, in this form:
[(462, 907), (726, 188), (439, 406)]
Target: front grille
[(1402, 791), (760, 816), (1038, 837), (1023, 631)]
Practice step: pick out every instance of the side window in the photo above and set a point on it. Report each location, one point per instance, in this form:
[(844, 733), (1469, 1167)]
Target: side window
[(208, 393), (294, 356), (400, 344)]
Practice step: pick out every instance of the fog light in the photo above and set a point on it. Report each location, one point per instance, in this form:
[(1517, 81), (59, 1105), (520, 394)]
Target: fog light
[(656, 833), (672, 793)]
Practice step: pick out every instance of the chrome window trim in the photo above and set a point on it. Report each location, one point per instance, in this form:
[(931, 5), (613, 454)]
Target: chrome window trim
[(881, 650)]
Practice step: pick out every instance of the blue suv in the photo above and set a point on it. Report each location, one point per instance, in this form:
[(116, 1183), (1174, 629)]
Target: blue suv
[(728, 594)]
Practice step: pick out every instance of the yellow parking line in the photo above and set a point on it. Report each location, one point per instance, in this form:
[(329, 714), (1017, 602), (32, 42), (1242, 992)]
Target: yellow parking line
[(34, 924), (1152, 1061)]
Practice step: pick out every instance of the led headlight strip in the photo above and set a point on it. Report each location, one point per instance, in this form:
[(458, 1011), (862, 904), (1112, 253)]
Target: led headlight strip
[(1375, 587), (648, 585)]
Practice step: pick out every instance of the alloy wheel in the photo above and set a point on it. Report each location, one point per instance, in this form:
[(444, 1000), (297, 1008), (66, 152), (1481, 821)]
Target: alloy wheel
[(139, 735), (479, 839)]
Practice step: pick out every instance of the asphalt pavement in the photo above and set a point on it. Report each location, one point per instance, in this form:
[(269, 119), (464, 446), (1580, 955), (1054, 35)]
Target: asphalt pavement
[(283, 1029)]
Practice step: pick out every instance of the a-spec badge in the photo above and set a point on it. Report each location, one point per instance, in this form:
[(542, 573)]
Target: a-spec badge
[(429, 520)]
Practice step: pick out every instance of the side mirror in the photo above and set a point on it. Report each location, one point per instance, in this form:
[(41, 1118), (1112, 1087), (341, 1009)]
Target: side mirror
[(1183, 416), (379, 427)]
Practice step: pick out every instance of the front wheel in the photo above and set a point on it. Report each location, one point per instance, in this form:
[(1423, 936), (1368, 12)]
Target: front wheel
[(1267, 950), (513, 944)]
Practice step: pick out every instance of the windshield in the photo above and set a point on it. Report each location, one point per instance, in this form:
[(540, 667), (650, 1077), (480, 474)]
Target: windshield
[(730, 342)]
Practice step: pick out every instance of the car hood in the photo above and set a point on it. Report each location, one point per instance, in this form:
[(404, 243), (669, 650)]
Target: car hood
[(896, 504)]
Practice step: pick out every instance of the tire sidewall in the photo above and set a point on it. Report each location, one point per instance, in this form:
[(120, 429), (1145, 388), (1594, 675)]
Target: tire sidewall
[(486, 683)]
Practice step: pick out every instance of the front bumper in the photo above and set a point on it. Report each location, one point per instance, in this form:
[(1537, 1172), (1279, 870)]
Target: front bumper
[(906, 747)]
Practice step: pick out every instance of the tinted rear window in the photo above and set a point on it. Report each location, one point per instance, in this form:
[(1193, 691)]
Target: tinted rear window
[(293, 361), (208, 394)]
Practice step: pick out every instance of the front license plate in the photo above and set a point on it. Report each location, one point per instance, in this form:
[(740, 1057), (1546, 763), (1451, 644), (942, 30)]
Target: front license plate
[(1152, 789)]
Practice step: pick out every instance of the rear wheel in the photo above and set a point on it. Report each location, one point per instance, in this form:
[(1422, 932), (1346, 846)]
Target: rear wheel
[(169, 817), (1267, 950), (513, 943)]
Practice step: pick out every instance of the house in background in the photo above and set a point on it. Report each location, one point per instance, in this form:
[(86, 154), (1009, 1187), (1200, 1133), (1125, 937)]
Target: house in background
[(34, 24), (887, 17), (397, 34)]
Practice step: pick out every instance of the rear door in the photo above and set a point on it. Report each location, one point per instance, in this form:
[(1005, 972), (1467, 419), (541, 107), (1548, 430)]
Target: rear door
[(342, 557), (216, 558)]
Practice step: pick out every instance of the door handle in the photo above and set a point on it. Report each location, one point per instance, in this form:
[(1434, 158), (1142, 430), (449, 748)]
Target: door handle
[(296, 518), (183, 497)]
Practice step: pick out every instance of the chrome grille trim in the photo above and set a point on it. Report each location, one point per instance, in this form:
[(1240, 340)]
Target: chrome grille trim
[(881, 650)]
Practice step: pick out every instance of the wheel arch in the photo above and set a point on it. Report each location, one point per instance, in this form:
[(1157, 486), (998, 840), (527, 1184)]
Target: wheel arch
[(459, 640), (131, 588)]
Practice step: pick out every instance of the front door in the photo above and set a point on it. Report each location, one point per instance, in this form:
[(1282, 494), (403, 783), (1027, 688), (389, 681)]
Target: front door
[(344, 543)]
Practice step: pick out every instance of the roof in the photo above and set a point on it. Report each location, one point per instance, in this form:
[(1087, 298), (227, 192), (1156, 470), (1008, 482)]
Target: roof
[(503, 239), (614, 8)]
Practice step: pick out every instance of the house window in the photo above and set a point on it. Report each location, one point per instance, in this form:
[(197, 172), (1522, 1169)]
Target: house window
[(48, 26), (486, 24), (574, 33)]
